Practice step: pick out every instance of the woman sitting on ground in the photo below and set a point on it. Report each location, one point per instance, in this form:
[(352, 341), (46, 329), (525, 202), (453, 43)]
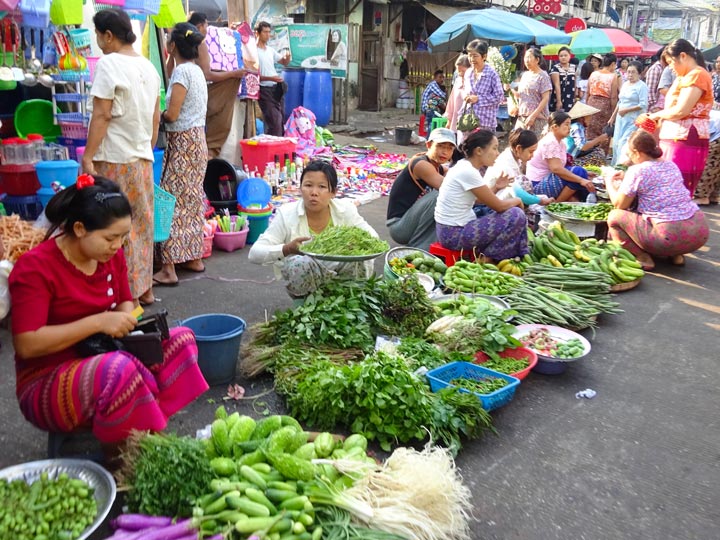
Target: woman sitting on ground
[(296, 222), (498, 235), (667, 222), (522, 144), (583, 151), (75, 285), (411, 204), (547, 171)]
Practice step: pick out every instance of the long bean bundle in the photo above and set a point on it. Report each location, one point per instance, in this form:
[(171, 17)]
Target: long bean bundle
[(577, 280), (345, 240)]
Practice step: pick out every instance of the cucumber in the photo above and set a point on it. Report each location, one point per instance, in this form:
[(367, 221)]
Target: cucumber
[(251, 475), (252, 524), (257, 496), (246, 506)]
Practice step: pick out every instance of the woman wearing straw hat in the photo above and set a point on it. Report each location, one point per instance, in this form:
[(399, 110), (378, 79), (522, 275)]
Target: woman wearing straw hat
[(632, 102), (583, 151)]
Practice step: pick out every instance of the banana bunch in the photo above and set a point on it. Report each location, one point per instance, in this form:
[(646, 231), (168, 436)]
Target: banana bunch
[(561, 247), (515, 266)]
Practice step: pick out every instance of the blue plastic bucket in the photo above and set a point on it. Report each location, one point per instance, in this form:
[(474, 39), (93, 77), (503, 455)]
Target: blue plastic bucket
[(318, 94), (218, 338), (295, 79), (64, 172), (258, 225), (157, 166), (44, 194)]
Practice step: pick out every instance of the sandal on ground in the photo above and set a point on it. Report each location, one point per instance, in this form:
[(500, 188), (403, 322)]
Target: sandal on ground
[(702, 201), (159, 283), (187, 266), (147, 298), (677, 260)]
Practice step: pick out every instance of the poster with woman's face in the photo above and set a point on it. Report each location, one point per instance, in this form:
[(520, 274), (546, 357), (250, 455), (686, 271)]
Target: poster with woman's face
[(319, 46)]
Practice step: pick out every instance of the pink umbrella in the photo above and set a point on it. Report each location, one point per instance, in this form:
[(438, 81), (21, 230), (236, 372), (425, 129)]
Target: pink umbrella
[(624, 43), (649, 47)]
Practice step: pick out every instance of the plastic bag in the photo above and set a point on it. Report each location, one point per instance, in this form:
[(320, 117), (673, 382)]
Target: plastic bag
[(5, 269)]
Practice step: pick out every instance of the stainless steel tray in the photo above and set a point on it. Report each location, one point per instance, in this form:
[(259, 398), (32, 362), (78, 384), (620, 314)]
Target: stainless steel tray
[(96, 477), (342, 258), (563, 217)]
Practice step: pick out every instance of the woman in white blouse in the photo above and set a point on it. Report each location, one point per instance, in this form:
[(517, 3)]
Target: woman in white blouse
[(296, 222)]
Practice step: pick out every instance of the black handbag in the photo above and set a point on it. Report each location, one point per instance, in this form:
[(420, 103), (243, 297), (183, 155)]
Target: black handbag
[(144, 343)]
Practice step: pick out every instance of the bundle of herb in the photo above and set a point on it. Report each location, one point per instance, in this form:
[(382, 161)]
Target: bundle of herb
[(341, 315), (165, 473), (406, 308), (420, 353), (380, 398), (345, 240)]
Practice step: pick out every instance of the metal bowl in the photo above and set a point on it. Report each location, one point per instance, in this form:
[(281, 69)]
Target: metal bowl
[(100, 480)]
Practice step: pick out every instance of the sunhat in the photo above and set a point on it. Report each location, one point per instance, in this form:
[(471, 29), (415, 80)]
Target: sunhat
[(442, 135), (581, 109), (596, 55)]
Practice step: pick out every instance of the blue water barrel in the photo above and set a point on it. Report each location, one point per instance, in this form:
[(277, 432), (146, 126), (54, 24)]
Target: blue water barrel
[(295, 79), (318, 94)]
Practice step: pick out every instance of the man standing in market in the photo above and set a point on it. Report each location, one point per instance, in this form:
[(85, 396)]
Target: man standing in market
[(272, 86), (223, 89), (652, 79)]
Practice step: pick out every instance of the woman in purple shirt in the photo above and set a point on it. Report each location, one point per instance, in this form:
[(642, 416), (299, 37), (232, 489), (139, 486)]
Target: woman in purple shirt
[(667, 222), (484, 89)]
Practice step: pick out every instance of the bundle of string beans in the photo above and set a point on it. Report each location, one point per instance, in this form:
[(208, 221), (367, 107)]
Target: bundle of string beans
[(345, 240)]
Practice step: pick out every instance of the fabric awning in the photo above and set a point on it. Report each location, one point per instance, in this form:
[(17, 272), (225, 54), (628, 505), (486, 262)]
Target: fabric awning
[(442, 12)]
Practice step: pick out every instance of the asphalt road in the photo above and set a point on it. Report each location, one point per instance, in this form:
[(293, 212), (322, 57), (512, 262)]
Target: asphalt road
[(639, 461)]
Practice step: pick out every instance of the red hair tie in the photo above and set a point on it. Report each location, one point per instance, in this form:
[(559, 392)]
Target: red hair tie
[(84, 180)]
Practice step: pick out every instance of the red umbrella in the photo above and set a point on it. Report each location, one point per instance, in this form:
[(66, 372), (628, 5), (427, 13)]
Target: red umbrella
[(649, 47), (624, 43)]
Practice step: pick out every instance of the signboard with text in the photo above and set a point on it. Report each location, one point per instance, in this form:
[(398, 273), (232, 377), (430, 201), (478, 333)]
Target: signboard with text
[(321, 46), (575, 25)]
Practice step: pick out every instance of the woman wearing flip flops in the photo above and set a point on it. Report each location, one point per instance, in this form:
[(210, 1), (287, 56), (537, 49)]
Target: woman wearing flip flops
[(667, 222)]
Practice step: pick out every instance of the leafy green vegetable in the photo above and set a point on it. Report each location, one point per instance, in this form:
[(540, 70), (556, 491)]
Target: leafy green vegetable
[(379, 398), (418, 353), (345, 240), (166, 474)]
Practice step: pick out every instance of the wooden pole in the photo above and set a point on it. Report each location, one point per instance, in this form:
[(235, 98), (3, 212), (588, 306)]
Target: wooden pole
[(237, 11)]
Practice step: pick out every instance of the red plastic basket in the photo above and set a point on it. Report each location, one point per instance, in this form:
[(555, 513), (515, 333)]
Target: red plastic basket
[(520, 352)]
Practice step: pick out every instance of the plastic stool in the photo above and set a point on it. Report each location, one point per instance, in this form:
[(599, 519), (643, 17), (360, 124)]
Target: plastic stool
[(56, 441), (448, 255), (421, 129), (438, 122)]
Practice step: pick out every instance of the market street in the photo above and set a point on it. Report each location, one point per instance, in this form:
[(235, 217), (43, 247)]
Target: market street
[(638, 461)]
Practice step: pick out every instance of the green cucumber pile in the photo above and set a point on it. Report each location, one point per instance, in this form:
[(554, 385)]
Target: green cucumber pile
[(572, 348), (470, 277), (465, 305), (265, 478), (48, 509), (345, 240)]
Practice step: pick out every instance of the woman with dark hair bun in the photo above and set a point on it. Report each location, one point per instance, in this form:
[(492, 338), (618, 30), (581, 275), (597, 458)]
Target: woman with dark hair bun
[(501, 234), (667, 222), (685, 120), (522, 144), (562, 74), (73, 286), (295, 223), (186, 155), (123, 130), (547, 169)]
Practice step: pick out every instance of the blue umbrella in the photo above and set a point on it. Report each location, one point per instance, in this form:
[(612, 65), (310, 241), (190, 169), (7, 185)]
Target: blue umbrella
[(492, 25)]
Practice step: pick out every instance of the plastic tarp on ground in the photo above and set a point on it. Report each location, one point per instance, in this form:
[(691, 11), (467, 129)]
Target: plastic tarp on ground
[(492, 25)]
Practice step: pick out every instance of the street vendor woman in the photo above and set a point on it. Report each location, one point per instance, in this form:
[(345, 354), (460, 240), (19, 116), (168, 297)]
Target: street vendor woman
[(498, 235), (297, 222), (70, 287), (411, 207)]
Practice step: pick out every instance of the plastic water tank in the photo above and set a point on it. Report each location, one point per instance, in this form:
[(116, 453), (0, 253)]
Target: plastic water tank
[(295, 79), (318, 94)]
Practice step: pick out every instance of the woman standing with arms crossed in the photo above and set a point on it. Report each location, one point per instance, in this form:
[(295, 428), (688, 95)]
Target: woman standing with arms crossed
[(562, 75), (602, 94), (122, 133), (632, 102), (685, 120), (482, 84), (533, 94), (186, 155)]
